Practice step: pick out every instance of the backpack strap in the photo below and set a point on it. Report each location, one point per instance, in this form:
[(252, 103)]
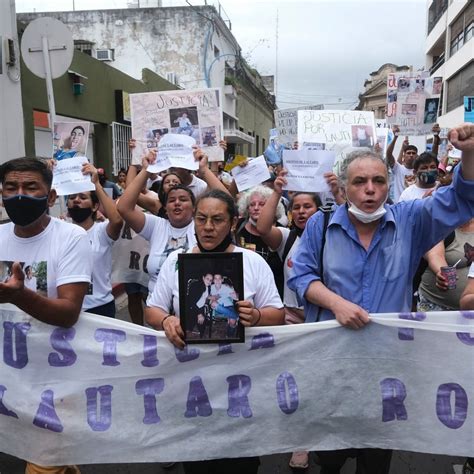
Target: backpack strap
[(289, 243), (327, 213)]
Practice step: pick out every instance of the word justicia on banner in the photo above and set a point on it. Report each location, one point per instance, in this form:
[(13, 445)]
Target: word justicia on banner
[(108, 388)]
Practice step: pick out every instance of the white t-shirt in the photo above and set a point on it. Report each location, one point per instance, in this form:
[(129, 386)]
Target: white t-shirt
[(59, 255), (471, 271), (101, 271), (289, 296), (399, 172), (413, 192), (259, 283), (164, 239), (197, 186)]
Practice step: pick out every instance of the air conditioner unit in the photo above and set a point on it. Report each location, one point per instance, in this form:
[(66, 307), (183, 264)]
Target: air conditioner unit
[(104, 54), (172, 77)]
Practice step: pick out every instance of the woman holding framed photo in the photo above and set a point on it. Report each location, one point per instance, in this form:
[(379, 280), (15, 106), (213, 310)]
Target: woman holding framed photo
[(214, 219)]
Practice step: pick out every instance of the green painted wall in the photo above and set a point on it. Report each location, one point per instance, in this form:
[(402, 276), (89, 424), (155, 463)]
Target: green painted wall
[(96, 104)]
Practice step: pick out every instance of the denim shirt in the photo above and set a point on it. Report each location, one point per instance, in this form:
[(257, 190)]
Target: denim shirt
[(378, 279)]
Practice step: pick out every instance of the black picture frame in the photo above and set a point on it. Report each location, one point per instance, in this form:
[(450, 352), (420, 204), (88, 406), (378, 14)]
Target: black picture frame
[(220, 322)]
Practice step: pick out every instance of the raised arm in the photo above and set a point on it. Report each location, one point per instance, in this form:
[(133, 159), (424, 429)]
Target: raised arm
[(114, 226), (436, 140), (213, 182), (269, 233), (127, 204), (391, 146)]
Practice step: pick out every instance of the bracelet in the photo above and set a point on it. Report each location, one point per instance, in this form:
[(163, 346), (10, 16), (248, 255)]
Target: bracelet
[(164, 319), (259, 317)]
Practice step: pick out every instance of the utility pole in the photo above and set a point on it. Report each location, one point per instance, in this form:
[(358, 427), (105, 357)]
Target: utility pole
[(276, 57)]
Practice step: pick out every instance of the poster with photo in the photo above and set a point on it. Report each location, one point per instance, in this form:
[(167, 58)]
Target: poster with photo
[(36, 275), (193, 113), (70, 139), (210, 284), (413, 101), (340, 131), (286, 122)]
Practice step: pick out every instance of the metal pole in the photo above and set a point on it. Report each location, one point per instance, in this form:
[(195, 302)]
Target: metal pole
[(49, 81)]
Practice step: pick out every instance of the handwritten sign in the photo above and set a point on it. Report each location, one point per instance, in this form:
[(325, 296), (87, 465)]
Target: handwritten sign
[(193, 113), (286, 121), (106, 389), (341, 131)]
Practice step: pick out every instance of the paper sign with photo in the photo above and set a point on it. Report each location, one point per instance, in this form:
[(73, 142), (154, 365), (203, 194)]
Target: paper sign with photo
[(341, 131), (70, 139), (306, 169), (174, 151), (36, 275), (255, 172), (191, 113), (413, 101), (68, 177)]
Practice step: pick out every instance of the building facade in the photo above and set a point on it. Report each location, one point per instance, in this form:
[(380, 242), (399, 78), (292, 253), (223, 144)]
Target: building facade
[(374, 97), (450, 54), (192, 47)]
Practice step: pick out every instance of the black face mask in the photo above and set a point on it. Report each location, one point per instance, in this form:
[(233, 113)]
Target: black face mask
[(219, 248), (23, 210), (79, 214)]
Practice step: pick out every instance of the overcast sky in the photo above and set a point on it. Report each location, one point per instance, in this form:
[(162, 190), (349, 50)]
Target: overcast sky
[(326, 49)]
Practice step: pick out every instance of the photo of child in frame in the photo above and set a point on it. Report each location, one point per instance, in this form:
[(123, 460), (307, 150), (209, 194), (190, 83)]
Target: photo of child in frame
[(209, 287)]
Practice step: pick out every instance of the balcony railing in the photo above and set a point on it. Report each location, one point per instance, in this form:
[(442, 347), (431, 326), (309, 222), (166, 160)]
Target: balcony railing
[(437, 64)]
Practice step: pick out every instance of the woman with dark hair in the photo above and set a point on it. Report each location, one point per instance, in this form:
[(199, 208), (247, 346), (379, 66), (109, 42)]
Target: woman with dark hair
[(72, 144), (164, 235), (214, 219), (82, 208)]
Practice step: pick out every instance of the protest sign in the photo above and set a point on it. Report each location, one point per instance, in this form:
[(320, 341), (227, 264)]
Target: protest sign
[(68, 177), (193, 113), (413, 101), (109, 390), (234, 161), (286, 122), (306, 169), (255, 172), (174, 151), (384, 135), (340, 131), (273, 154), (129, 258), (469, 109), (70, 139)]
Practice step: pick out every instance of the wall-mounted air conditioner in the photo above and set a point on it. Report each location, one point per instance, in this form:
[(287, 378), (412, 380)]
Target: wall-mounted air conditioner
[(104, 54)]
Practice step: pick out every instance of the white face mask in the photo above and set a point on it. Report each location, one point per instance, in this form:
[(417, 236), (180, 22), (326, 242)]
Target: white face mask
[(366, 217)]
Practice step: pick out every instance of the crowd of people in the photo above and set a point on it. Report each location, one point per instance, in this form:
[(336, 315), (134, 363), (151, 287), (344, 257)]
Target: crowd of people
[(383, 246)]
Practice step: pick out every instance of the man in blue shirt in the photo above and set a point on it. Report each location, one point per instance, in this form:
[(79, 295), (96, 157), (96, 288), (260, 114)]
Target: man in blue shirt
[(372, 251)]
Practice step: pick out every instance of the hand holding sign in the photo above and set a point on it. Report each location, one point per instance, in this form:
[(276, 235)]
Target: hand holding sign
[(174, 150)]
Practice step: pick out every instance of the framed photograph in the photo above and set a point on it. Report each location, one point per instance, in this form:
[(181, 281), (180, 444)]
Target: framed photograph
[(210, 284)]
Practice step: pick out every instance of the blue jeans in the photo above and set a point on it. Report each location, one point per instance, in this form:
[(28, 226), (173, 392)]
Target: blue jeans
[(227, 311)]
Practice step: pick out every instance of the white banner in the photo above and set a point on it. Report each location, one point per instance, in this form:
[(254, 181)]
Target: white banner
[(306, 169), (341, 131), (68, 177), (193, 113), (109, 390), (413, 101)]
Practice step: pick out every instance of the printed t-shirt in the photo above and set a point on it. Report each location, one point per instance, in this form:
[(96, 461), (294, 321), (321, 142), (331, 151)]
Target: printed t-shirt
[(164, 239), (59, 255), (102, 266)]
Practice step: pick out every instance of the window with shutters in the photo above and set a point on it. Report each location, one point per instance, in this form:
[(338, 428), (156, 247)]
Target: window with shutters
[(459, 86)]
